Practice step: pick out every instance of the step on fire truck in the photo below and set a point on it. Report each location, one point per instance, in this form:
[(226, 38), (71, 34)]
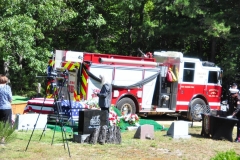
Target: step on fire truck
[(166, 83)]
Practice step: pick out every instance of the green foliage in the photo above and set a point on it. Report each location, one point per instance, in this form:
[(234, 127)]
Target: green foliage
[(228, 155), (26, 38), (216, 29), (7, 132)]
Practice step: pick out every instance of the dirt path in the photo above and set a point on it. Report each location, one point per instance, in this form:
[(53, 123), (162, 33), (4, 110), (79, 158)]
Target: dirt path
[(168, 120)]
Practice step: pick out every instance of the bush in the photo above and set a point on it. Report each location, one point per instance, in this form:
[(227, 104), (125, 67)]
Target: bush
[(7, 132), (31, 94), (228, 155)]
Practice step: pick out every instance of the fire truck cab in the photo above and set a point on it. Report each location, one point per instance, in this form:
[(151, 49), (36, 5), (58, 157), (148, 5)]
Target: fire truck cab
[(142, 85), (198, 85)]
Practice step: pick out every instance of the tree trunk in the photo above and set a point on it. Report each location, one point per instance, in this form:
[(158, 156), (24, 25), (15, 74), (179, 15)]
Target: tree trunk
[(6, 68), (213, 50), (200, 52), (20, 61), (130, 16), (140, 37)]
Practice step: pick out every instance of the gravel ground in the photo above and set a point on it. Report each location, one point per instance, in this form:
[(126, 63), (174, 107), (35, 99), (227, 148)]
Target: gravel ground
[(168, 120)]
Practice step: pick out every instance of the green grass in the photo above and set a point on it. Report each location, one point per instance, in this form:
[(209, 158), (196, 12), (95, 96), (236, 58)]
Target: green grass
[(162, 147)]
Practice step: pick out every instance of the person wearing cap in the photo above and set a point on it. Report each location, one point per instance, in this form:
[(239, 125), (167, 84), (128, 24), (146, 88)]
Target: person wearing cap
[(234, 107), (232, 98), (105, 96)]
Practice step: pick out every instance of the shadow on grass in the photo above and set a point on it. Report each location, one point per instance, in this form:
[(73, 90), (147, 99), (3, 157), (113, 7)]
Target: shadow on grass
[(192, 135), (197, 135)]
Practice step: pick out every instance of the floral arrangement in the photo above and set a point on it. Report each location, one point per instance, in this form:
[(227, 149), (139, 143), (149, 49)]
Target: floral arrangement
[(92, 103), (132, 119), (113, 118)]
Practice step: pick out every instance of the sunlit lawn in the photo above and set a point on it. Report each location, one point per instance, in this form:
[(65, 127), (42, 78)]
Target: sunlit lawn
[(162, 147)]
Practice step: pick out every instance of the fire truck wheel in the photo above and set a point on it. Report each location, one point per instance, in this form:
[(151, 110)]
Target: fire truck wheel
[(195, 109), (126, 106)]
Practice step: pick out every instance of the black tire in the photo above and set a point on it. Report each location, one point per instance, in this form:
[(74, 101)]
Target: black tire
[(126, 106), (196, 108)]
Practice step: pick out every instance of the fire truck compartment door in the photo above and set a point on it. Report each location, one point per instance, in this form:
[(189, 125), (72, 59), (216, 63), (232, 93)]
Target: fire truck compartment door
[(72, 83), (148, 90), (59, 54), (185, 94), (127, 76)]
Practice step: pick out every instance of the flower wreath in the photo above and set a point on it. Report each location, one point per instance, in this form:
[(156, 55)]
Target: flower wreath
[(132, 119)]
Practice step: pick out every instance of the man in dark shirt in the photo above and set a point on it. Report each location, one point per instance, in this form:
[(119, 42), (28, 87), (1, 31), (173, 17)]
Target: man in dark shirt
[(234, 105), (105, 96), (237, 114)]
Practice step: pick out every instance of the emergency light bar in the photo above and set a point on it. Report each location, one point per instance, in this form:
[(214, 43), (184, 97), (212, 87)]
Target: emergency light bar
[(130, 62)]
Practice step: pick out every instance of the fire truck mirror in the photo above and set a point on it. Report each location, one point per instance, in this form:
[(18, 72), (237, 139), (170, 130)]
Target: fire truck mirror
[(220, 77)]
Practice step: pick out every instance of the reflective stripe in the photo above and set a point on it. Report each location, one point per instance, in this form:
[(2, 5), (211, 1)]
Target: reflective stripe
[(83, 88), (84, 77), (76, 97), (49, 96), (214, 103), (182, 103), (70, 65), (187, 103), (48, 86), (77, 65), (83, 92), (51, 62), (67, 65)]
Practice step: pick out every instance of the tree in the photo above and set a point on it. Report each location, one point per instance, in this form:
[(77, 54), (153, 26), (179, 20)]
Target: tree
[(30, 30), (25, 41)]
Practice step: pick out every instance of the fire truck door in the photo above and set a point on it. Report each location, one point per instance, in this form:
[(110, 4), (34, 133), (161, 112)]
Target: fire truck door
[(186, 86), (148, 90)]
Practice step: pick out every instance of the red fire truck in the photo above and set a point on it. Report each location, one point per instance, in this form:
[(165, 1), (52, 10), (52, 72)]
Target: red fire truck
[(166, 83)]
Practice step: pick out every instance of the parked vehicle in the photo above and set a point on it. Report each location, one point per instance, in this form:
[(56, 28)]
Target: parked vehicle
[(165, 83)]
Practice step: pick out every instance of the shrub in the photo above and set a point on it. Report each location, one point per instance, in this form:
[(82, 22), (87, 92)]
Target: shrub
[(7, 131), (228, 155)]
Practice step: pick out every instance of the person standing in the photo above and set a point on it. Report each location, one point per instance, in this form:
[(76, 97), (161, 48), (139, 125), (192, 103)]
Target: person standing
[(232, 98), (236, 113), (234, 107), (105, 96), (5, 100)]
